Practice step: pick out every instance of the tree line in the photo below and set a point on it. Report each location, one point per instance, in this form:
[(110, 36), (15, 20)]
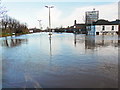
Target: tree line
[(11, 25)]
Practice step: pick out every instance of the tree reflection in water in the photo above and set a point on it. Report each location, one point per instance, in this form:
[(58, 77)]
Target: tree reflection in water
[(13, 42)]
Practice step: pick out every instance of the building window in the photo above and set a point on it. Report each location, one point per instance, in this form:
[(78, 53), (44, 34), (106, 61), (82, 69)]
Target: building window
[(103, 28), (112, 27), (97, 33)]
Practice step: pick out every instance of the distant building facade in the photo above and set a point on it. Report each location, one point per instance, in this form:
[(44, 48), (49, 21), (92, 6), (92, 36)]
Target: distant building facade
[(80, 28), (104, 27)]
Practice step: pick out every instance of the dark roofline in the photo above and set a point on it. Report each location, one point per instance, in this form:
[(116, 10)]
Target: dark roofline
[(106, 22), (101, 22)]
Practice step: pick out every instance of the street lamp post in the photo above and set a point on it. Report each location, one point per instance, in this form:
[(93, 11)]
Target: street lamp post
[(40, 23), (49, 19)]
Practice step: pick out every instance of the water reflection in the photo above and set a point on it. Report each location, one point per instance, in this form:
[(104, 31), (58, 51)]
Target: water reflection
[(50, 38), (13, 42), (75, 39), (89, 42), (118, 40), (93, 42), (87, 61)]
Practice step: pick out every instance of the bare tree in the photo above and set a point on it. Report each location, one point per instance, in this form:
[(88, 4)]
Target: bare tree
[(8, 24), (5, 23), (2, 10), (11, 25), (2, 13)]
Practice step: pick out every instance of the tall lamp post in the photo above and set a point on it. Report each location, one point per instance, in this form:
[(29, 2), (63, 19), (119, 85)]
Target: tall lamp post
[(50, 33), (40, 23)]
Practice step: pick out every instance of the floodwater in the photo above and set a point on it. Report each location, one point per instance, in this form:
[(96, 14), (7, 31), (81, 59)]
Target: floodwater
[(63, 61)]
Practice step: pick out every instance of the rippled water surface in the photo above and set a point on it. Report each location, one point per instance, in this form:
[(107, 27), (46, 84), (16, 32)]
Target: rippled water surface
[(65, 60)]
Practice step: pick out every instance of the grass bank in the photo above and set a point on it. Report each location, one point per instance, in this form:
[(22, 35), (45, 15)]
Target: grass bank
[(11, 34)]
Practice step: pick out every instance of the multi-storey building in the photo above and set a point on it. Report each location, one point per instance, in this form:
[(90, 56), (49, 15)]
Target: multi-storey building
[(91, 16)]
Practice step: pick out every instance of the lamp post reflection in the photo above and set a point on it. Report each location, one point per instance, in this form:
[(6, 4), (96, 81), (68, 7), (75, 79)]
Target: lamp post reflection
[(50, 46)]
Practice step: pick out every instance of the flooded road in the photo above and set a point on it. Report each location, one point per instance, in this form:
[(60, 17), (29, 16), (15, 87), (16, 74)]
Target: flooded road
[(63, 61)]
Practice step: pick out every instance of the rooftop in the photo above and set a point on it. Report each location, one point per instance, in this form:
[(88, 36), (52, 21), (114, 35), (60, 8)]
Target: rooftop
[(106, 22)]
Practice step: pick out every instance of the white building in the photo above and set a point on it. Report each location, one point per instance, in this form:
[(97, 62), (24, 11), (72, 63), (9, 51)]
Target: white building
[(104, 27)]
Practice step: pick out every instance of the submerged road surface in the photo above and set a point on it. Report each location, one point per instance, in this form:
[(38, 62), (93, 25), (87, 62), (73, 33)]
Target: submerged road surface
[(63, 61)]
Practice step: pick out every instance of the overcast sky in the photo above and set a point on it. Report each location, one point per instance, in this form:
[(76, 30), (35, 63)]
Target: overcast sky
[(63, 14)]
